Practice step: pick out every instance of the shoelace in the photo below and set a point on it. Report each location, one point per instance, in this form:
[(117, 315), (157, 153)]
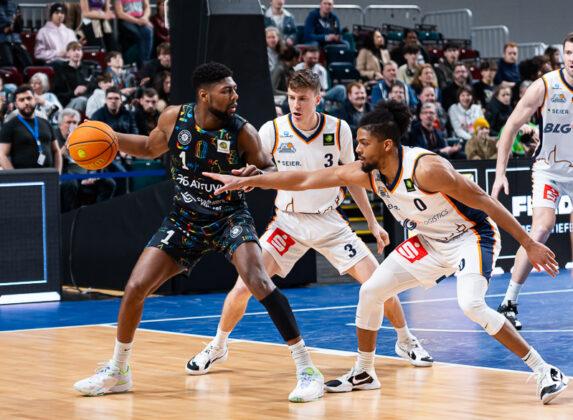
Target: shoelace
[(103, 368), (305, 378), (203, 357)]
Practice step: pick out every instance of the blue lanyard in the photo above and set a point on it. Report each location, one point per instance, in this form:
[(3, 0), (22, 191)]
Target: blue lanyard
[(35, 132)]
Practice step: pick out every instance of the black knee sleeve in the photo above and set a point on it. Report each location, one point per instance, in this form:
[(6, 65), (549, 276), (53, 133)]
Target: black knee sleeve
[(281, 313)]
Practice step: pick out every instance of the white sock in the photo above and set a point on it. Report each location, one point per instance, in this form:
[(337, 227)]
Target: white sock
[(366, 360), (121, 354), (512, 292), (220, 339), (534, 360), (300, 355), (404, 334)]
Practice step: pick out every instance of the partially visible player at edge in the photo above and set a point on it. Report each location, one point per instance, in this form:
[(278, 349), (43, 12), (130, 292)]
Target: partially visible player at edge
[(454, 235), (308, 140), (551, 96), (206, 136)]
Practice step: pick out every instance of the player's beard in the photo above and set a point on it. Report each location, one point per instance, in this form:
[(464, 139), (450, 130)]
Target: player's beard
[(367, 167), (221, 115)]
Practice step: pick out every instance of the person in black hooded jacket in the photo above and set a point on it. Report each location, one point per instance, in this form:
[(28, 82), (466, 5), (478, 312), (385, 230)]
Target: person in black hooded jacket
[(499, 109)]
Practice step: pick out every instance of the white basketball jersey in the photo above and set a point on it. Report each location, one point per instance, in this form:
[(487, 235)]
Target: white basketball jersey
[(435, 215), (555, 150), (330, 144)]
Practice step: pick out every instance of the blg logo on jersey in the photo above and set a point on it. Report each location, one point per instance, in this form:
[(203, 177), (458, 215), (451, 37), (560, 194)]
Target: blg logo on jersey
[(286, 148), (328, 139), (280, 241), (412, 249), (557, 128)]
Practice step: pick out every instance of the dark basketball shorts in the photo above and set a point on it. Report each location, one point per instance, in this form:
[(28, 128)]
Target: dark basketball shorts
[(186, 242)]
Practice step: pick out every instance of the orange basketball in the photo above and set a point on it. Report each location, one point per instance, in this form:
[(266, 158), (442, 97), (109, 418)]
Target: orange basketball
[(93, 145)]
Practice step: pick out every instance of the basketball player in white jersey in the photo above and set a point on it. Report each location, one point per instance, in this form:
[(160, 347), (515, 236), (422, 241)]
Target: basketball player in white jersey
[(551, 96), (448, 213), (308, 140)]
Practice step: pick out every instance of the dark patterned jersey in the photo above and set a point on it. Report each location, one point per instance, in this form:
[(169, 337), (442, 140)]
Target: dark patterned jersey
[(194, 151)]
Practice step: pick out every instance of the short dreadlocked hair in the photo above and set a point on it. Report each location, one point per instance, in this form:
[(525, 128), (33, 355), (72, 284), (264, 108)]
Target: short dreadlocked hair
[(388, 120)]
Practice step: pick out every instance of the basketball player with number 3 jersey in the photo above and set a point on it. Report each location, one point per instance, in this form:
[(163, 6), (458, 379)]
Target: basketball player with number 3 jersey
[(551, 96), (306, 140), (447, 212)]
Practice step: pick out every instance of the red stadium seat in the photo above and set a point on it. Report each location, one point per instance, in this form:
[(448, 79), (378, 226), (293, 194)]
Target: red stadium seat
[(468, 53), (29, 40), (97, 56), (436, 52), (31, 70), (476, 74), (11, 75)]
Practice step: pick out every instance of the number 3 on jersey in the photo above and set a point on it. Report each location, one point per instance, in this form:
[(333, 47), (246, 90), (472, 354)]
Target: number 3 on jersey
[(412, 249)]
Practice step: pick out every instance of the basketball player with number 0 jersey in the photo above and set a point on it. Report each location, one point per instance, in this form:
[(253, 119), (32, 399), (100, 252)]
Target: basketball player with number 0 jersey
[(448, 215), (551, 96), (307, 140)]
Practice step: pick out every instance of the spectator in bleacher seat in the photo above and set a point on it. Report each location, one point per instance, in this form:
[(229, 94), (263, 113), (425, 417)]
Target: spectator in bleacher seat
[(53, 38), (464, 113), (162, 84), (445, 70), (114, 114), (155, 66), (97, 98), (483, 88), (450, 92), (310, 62), (135, 27), (97, 24), (12, 52), (146, 113), (481, 145), (373, 57), (72, 82), (6, 106), (28, 141), (46, 101), (410, 37), (274, 46), (424, 133), (428, 95), (397, 92), (354, 106), (499, 109), (160, 30), (75, 192), (280, 75), (425, 76), (277, 16), (122, 78), (507, 67), (406, 71), (381, 90), (322, 26), (554, 57)]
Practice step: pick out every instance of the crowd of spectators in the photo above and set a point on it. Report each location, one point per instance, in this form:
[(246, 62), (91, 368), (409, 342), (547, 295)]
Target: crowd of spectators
[(452, 114), (64, 88)]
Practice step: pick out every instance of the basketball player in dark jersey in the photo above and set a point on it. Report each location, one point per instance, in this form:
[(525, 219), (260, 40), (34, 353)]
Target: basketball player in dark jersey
[(204, 137)]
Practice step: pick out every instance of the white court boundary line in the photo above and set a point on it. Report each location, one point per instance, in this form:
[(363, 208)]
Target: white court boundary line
[(324, 308)]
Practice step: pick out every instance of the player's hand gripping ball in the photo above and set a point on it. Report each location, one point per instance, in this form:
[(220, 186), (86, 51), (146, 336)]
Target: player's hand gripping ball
[(93, 145)]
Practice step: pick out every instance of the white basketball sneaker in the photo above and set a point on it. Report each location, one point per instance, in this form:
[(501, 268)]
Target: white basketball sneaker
[(107, 380), (354, 380), (413, 351), (550, 383), (202, 362), (309, 386)]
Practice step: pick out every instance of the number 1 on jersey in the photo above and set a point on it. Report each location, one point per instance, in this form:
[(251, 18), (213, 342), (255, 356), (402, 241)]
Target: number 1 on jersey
[(183, 156), (168, 236)]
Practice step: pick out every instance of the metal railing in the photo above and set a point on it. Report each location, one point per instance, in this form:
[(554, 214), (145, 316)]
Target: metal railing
[(399, 14), (530, 49), (452, 24), (489, 40), (348, 14)]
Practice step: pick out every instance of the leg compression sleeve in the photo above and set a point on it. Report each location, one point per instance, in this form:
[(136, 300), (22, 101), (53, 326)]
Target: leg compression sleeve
[(471, 292), (281, 313)]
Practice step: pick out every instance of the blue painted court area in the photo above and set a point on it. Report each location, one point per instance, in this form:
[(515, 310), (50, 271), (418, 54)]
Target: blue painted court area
[(326, 315)]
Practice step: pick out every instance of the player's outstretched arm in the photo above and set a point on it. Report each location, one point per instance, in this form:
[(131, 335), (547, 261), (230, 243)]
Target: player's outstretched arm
[(156, 143), (350, 174), (435, 174), (532, 99), (252, 151)]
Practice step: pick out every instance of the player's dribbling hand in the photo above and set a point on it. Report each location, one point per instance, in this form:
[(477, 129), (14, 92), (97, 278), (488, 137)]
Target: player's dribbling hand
[(230, 182), (498, 184), (380, 235), (542, 257)]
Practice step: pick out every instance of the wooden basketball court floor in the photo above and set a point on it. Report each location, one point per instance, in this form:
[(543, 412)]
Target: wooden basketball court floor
[(45, 348)]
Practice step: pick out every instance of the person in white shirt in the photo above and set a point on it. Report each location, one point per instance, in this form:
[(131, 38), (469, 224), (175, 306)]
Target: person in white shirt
[(53, 38), (464, 113)]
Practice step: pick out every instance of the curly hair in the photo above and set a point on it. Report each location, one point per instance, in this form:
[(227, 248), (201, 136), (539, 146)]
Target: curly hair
[(209, 73), (388, 120)]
